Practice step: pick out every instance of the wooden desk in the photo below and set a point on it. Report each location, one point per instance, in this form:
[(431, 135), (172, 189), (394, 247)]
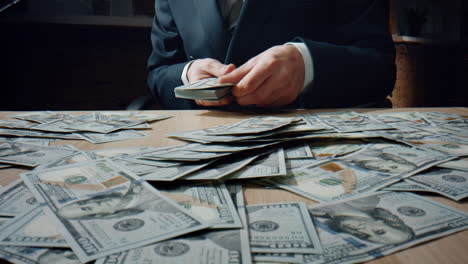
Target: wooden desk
[(449, 249)]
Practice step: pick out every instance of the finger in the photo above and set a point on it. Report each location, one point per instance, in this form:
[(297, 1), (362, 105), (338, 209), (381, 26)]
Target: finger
[(236, 75), (260, 96), (216, 68)]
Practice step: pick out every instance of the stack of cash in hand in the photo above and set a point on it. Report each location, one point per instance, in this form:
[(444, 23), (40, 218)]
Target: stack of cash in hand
[(96, 127), (206, 89), (185, 204)]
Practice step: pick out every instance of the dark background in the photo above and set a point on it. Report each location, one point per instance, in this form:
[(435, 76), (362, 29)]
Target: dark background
[(91, 54)]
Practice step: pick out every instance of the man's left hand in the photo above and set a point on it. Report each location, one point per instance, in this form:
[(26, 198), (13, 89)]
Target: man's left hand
[(273, 78)]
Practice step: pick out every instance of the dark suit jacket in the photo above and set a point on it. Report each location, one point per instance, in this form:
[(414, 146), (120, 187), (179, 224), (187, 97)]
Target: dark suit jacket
[(349, 40)]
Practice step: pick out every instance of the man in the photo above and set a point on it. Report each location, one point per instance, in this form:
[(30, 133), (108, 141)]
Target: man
[(337, 53)]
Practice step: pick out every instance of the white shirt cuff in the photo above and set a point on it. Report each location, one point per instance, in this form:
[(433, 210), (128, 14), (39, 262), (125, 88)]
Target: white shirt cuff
[(308, 63), (183, 76)]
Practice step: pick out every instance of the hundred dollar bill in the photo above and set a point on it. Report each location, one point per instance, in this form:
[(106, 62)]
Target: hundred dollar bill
[(405, 186), (31, 155), (221, 148), (97, 138), (181, 153), (351, 122), (333, 148), (16, 198), (175, 172), (401, 118), (101, 209), (298, 151), (255, 125), (369, 227), (4, 166), (205, 136), (417, 137), (210, 202), (277, 258), (57, 126), (100, 123), (121, 152), (34, 141), (156, 163), (75, 157), (137, 168), (450, 183), (268, 165), (367, 170), (458, 164), (41, 116), (138, 115), (38, 134), (16, 124), (449, 119), (32, 229), (282, 228), (4, 220), (223, 247), (222, 167), (37, 255), (292, 164)]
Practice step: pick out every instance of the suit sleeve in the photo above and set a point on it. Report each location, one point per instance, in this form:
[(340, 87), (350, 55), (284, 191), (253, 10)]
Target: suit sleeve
[(167, 59), (358, 65)]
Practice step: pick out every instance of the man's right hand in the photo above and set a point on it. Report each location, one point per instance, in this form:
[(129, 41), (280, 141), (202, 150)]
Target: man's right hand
[(208, 68)]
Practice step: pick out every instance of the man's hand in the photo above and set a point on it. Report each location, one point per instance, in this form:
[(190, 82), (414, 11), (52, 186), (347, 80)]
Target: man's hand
[(273, 78), (208, 68)]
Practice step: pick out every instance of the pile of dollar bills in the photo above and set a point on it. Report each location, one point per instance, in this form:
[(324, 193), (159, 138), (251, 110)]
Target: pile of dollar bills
[(185, 204)]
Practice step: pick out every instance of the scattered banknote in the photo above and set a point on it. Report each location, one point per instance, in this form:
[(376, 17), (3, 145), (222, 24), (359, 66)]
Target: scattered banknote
[(351, 122), (277, 258), (205, 89), (36, 134), (37, 255), (34, 141), (254, 125), (16, 198), (448, 182), (298, 151), (268, 165), (97, 138), (369, 227), (209, 201), (32, 229), (405, 186), (182, 153), (175, 172), (367, 170), (101, 209), (41, 116), (16, 124), (31, 155), (282, 228), (458, 164)]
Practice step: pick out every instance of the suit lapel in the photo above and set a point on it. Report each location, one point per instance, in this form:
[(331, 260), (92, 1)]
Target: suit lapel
[(213, 26)]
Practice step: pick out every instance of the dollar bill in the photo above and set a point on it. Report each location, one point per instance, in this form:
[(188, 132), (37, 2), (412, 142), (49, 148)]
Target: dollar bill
[(35, 255), (369, 227), (182, 153), (205, 89), (349, 121), (298, 151), (31, 229), (4, 166), (458, 164), (367, 170), (175, 172), (41, 116), (16, 198), (34, 141), (401, 118), (76, 157), (332, 148), (122, 152), (282, 228), (448, 182), (405, 186), (31, 155), (417, 137), (101, 209), (222, 167), (254, 125), (223, 246), (97, 138), (100, 123), (221, 148), (16, 124), (57, 126), (144, 116), (137, 168), (36, 134), (209, 201), (268, 165)]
